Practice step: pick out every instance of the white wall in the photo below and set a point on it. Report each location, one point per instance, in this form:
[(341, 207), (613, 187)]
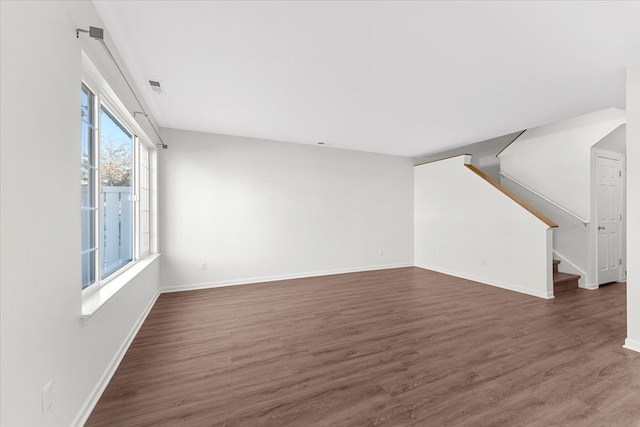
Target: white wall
[(555, 159), (467, 228), (42, 335), (256, 210), (633, 208), (570, 238), (616, 141)]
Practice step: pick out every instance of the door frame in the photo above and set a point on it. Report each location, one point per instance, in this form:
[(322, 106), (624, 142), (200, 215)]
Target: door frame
[(622, 225)]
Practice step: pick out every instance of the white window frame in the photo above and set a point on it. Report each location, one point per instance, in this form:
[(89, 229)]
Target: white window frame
[(141, 251), (105, 97), (93, 162)]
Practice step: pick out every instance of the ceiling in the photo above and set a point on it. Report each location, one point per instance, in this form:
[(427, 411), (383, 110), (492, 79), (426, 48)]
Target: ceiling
[(404, 78)]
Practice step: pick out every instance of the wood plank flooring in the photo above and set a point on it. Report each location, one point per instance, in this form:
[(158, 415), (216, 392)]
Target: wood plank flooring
[(384, 348)]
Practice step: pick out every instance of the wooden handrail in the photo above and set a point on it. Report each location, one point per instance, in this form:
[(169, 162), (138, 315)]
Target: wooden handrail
[(512, 141), (512, 196)]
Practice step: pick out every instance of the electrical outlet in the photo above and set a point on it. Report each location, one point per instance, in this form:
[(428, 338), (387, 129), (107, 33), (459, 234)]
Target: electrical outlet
[(47, 397), (381, 252), (203, 266), (484, 262)]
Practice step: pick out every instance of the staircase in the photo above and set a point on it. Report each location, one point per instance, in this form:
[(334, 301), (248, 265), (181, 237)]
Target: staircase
[(563, 282)]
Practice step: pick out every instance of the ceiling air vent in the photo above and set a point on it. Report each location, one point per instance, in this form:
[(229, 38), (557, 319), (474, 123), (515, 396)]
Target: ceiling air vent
[(155, 85)]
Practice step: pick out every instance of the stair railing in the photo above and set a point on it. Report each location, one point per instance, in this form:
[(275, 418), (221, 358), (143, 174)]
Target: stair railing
[(546, 199)]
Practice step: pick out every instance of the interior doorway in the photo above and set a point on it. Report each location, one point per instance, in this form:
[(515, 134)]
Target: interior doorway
[(609, 214)]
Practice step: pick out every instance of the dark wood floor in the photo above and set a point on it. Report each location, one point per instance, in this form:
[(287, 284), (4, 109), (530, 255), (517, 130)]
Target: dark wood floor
[(393, 347)]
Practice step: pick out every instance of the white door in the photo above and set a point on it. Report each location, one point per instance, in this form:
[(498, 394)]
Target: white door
[(609, 216)]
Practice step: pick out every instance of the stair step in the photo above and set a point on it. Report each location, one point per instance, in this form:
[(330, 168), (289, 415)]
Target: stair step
[(564, 281), (555, 265), (564, 277)]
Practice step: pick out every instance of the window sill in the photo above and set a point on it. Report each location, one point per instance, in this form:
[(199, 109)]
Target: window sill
[(94, 302)]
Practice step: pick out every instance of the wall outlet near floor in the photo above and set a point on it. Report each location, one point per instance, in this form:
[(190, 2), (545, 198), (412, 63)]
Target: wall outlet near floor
[(484, 262), (203, 266), (381, 252), (47, 397)]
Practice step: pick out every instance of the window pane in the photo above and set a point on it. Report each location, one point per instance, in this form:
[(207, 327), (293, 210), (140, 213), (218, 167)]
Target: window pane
[(88, 269), (84, 140), (144, 200), (116, 164), (86, 189), (86, 105), (85, 149), (88, 236)]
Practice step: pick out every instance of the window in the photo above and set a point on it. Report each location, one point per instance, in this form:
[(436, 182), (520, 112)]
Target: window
[(145, 197), (115, 191), (116, 195), (87, 187)]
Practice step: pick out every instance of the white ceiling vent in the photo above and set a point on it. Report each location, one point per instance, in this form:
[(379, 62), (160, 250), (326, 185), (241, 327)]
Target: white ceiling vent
[(155, 85)]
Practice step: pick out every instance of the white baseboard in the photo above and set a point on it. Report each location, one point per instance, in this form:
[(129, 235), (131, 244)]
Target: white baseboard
[(589, 286), (254, 280), (100, 387), (498, 284), (631, 344)]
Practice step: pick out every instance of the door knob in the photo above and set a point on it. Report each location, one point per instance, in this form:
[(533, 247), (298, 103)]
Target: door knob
[(601, 227)]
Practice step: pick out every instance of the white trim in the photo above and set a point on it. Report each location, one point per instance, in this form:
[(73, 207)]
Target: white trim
[(93, 296), (631, 344), (262, 279), (102, 384), (94, 172), (153, 201), (578, 217), (96, 300), (497, 284), (574, 269), (93, 80), (622, 158), (91, 74)]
